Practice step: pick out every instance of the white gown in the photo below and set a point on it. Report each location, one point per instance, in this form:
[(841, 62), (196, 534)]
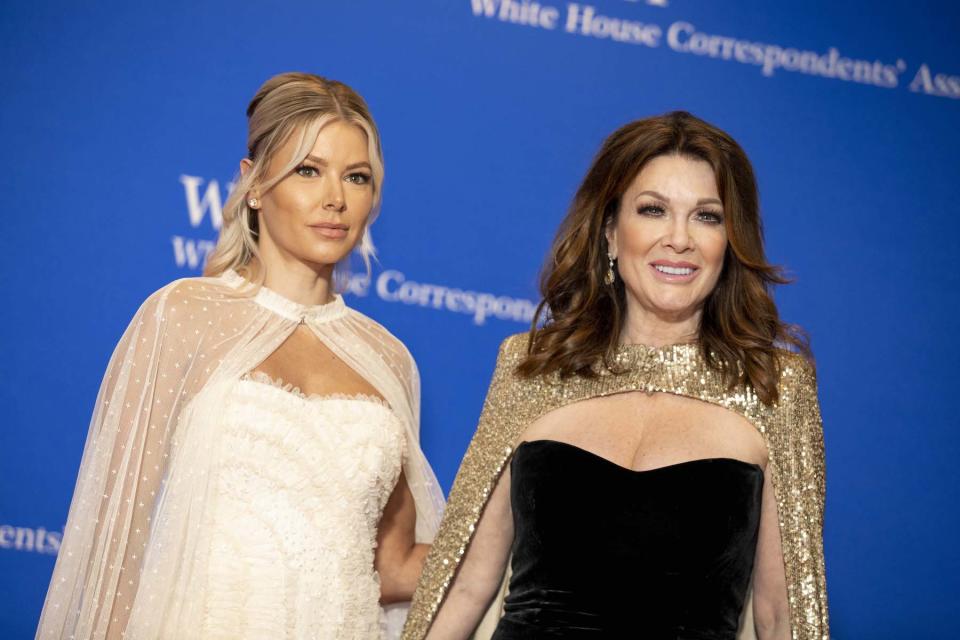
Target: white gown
[(213, 502), (301, 483)]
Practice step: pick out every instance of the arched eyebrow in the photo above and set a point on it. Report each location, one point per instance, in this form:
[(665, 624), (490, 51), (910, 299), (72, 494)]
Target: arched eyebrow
[(660, 196), (356, 165)]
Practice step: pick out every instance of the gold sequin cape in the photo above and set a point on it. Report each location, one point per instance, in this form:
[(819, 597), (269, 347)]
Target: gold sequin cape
[(791, 428)]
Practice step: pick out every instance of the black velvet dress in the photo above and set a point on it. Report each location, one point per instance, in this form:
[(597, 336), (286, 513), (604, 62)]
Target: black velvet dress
[(602, 551)]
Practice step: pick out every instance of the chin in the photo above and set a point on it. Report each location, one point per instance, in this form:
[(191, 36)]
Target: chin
[(679, 309), (324, 259)]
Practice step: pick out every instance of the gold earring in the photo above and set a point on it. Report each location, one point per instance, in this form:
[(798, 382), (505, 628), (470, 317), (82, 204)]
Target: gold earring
[(611, 275)]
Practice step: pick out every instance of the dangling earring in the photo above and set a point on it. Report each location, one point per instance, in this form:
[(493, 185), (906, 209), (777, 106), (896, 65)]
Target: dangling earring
[(611, 276)]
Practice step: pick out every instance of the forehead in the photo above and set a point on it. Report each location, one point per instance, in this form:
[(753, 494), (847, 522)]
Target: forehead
[(341, 139), (336, 142), (676, 175)]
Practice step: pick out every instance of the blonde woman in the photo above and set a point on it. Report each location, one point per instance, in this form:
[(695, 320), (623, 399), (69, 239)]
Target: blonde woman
[(252, 468)]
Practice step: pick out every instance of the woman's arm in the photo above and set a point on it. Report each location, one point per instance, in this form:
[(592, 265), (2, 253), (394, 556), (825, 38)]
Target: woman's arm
[(399, 559), (481, 569), (775, 615), (771, 611)]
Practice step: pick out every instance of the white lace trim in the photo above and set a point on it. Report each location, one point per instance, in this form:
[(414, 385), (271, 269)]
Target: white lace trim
[(262, 378), (270, 299)]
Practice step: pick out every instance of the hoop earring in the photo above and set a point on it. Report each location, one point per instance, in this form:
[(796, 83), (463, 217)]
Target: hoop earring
[(611, 275)]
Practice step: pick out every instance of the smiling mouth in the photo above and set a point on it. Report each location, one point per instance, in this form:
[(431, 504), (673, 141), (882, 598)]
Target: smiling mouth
[(674, 271)]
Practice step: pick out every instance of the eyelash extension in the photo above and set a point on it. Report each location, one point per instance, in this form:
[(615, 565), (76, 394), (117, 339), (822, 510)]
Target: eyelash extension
[(649, 207), (660, 208), (716, 215)]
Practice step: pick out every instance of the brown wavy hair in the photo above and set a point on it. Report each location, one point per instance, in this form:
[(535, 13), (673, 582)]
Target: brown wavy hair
[(578, 323)]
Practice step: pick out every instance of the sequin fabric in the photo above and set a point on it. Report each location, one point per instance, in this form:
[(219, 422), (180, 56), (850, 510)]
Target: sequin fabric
[(791, 428)]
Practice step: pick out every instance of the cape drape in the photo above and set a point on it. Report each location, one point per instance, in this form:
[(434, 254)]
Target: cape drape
[(791, 428), (130, 546)]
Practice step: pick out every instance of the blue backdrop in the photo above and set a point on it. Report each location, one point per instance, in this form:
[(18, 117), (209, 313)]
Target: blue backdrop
[(122, 126)]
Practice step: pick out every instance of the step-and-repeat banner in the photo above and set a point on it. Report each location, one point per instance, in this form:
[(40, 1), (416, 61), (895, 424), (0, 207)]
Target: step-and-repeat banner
[(123, 125)]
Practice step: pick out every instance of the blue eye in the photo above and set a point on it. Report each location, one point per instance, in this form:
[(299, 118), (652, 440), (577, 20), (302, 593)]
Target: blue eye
[(307, 171)]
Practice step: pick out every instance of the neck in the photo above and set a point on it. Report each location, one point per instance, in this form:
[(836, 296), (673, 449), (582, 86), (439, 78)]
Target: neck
[(295, 280), (659, 329)]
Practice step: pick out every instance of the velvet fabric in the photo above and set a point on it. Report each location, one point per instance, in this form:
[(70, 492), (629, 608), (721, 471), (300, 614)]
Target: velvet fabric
[(601, 550)]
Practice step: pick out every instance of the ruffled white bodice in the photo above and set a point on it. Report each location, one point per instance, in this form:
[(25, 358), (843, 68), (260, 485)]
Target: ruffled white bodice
[(300, 484)]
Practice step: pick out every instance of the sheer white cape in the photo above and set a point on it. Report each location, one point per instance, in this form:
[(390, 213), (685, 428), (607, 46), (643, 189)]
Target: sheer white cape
[(130, 543)]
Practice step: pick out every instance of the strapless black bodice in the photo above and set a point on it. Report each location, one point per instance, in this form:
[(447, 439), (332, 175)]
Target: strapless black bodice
[(602, 551)]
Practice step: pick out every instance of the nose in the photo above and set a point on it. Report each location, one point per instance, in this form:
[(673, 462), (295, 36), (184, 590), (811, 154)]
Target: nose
[(333, 199), (678, 238)]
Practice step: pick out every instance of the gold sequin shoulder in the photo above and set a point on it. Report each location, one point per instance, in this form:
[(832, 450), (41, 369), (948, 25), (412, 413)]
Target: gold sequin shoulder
[(791, 428)]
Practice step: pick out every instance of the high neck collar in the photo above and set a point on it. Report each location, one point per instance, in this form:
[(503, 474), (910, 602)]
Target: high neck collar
[(648, 358), (678, 350), (283, 306)]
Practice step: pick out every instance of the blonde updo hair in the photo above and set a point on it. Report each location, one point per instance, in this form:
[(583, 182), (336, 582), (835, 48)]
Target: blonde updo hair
[(286, 104)]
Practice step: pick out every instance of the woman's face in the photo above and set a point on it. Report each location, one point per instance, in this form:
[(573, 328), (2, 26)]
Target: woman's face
[(669, 238), (318, 213)]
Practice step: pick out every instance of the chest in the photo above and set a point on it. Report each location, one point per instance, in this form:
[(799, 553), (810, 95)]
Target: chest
[(304, 361), (639, 430), (284, 445)]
